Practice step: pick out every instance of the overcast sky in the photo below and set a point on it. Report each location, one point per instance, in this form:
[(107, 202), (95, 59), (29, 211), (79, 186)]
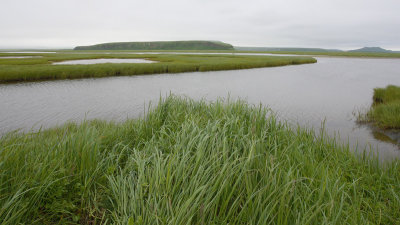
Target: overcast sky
[(342, 24)]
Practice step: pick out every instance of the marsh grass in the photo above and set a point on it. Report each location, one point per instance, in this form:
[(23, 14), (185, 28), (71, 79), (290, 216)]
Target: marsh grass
[(385, 109), (14, 70), (316, 53), (192, 162)]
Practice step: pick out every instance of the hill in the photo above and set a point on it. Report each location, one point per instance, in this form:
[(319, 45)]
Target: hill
[(160, 45), (371, 49), (285, 49)]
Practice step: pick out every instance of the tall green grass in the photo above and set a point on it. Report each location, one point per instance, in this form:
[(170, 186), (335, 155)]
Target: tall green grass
[(385, 110), (14, 70), (192, 162), (386, 95)]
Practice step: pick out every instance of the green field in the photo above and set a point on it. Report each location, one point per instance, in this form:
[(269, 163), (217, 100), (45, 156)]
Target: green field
[(385, 110), (192, 162), (32, 69)]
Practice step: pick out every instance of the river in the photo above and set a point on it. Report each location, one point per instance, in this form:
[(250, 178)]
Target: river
[(328, 91)]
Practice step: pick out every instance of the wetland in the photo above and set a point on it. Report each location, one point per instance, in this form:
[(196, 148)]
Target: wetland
[(217, 144)]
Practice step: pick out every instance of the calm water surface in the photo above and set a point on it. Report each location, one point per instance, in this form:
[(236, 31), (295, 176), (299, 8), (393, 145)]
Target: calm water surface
[(98, 61), (330, 90), (26, 52), (19, 57)]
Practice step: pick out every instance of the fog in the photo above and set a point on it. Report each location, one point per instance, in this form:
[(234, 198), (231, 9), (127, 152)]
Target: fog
[(277, 23)]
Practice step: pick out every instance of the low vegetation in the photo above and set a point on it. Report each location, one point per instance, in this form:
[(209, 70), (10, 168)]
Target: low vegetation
[(31, 69), (344, 54), (192, 162), (385, 110)]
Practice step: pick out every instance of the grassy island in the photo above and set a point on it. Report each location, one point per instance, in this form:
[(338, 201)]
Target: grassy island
[(385, 110), (41, 68), (192, 162)]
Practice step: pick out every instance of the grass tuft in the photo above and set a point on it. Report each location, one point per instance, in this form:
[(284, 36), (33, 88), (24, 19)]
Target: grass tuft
[(385, 110), (192, 162)]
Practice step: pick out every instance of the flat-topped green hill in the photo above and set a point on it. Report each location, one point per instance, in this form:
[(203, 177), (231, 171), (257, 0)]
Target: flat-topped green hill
[(160, 45)]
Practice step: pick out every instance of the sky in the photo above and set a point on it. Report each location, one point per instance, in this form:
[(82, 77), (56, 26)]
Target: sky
[(339, 24)]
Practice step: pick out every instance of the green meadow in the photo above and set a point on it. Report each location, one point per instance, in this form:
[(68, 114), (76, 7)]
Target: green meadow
[(192, 162), (33, 69)]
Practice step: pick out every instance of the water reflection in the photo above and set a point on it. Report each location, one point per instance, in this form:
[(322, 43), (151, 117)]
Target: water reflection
[(27, 52), (19, 57), (98, 61)]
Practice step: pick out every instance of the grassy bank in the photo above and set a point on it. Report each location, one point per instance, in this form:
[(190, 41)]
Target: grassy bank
[(191, 162), (31, 69), (385, 110)]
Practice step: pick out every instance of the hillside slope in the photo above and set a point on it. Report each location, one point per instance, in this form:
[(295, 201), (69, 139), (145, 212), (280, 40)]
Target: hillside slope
[(285, 49), (159, 45), (371, 49)]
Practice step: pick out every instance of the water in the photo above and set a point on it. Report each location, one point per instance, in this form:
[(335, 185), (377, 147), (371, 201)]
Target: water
[(97, 61), (330, 90), (19, 57), (28, 52)]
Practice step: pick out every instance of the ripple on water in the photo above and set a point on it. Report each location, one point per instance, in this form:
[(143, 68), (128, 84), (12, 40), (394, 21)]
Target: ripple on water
[(327, 91)]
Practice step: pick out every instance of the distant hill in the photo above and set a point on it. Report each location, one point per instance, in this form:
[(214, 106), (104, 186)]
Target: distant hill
[(371, 49), (160, 45), (285, 49)]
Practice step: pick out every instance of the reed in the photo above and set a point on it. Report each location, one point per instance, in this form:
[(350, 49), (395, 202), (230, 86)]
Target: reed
[(32, 69), (192, 162), (385, 109)]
